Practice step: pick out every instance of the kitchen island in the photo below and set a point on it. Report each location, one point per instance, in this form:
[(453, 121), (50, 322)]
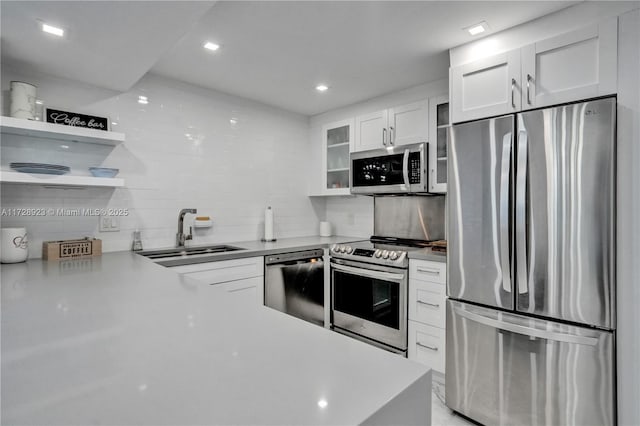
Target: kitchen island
[(120, 340)]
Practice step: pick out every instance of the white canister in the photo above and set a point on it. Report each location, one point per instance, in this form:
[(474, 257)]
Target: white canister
[(325, 229), (23, 100), (14, 245)]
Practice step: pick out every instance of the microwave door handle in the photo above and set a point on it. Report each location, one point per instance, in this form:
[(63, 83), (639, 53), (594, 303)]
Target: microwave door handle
[(504, 212), (405, 168), (369, 274)]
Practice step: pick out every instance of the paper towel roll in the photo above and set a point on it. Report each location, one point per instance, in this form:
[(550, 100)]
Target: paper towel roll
[(268, 224)]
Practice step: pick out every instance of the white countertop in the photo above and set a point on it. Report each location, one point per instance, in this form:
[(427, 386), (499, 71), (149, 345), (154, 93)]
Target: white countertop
[(119, 340), (261, 248), (428, 254)]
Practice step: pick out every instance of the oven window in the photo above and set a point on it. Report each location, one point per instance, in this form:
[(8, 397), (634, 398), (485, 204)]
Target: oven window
[(367, 298)]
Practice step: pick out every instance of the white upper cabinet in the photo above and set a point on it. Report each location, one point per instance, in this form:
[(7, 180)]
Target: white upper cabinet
[(570, 67), (394, 126), (337, 140), (486, 87), (371, 131), (438, 143), (409, 123)]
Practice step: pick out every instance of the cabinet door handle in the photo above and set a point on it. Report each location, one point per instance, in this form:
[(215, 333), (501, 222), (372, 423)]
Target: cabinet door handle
[(528, 81), (428, 271), (384, 136), (392, 135), (433, 305), (432, 184), (513, 87), (431, 348)]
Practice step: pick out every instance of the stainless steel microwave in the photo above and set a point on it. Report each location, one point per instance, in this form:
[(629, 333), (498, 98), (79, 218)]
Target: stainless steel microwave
[(394, 170)]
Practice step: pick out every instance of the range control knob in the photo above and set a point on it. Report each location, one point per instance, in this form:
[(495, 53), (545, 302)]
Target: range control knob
[(343, 249), (378, 253), (349, 249), (334, 247), (385, 254), (393, 255)]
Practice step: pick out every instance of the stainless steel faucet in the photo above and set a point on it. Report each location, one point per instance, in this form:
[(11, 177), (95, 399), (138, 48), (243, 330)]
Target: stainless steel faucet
[(180, 236)]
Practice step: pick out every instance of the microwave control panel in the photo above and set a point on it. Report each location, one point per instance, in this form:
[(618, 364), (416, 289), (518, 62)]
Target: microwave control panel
[(415, 168)]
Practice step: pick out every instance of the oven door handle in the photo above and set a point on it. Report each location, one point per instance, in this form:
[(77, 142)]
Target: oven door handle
[(368, 273)]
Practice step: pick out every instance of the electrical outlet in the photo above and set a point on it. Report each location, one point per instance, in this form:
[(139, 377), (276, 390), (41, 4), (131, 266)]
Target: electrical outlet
[(109, 223)]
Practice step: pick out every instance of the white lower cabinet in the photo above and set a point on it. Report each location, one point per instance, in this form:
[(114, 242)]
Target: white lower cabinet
[(241, 277), (427, 296), (426, 345)]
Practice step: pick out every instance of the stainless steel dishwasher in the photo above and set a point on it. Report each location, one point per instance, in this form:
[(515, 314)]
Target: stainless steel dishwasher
[(294, 284)]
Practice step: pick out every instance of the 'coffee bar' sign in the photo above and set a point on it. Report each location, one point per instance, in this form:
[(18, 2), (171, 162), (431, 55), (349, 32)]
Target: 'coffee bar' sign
[(76, 119)]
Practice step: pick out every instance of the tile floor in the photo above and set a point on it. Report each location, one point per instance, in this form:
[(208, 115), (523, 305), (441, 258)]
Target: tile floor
[(441, 415)]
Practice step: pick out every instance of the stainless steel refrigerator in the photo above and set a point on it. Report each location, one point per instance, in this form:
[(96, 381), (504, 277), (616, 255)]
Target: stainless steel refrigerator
[(531, 267)]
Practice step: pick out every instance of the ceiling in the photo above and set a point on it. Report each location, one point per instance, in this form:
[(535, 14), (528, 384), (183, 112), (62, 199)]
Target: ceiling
[(272, 52)]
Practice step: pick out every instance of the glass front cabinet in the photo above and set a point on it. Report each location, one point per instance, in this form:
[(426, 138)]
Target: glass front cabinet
[(438, 141), (337, 142)]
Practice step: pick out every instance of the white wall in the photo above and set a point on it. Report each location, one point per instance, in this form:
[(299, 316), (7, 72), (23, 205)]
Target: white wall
[(353, 215), (181, 150), (628, 242)]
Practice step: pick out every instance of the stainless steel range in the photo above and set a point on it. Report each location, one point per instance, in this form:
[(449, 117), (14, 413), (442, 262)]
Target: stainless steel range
[(369, 278)]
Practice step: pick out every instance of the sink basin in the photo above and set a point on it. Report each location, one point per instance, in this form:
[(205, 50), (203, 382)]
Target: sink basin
[(184, 252)]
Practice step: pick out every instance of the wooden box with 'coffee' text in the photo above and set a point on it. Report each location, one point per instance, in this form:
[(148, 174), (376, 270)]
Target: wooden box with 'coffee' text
[(71, 249)]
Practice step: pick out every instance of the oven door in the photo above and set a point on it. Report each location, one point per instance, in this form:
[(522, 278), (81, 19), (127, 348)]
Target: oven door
[(370, 301)]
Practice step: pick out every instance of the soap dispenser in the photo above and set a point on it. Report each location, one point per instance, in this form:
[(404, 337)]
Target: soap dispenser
[(136, 245)]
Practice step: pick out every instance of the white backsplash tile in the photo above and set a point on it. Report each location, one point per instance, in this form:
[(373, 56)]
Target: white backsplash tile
[(181, 151), (351, 216)]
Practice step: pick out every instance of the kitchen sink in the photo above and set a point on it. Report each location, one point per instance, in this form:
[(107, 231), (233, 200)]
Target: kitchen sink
[(186, 252)]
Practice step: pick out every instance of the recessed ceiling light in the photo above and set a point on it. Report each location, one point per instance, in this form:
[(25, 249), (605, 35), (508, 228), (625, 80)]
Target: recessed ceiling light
[(52, 30), (322, 87), (211, 46), (477, 28), (143, 100)]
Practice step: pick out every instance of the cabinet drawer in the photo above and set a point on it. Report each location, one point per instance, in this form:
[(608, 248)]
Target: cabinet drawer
[(426, 303), (427, 345), (424, 270), (223, 271), (249, 290)]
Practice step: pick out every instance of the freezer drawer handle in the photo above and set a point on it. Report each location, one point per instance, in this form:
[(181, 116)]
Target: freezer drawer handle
[(432, 348), (428, 271), (434, 305), (527, 331)]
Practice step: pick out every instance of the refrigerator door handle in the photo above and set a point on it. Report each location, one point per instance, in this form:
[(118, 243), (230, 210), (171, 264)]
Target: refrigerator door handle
[(526, 331), (521, 204), (504, 212)]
